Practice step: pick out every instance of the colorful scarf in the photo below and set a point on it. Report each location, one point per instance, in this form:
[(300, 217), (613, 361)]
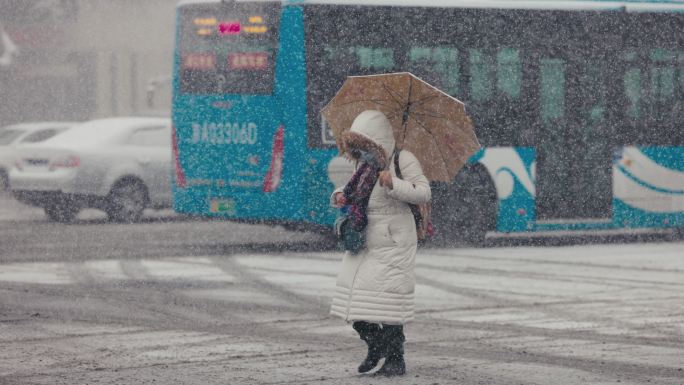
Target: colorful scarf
[(358, 190)]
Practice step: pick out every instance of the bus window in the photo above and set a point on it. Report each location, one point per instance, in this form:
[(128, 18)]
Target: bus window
[(360, 57), (229, 49), (653, 96), (509, 72), (552, 89), (632, 85), (662, 114), (662, 76), (375, 58), (480, 75), (495, 86), (436, 65)]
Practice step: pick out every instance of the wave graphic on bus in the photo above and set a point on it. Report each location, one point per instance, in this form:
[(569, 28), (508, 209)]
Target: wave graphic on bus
[(641, 182), (506, 165)]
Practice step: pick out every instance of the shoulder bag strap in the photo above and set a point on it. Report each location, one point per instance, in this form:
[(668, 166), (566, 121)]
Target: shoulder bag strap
[(397, 170), (415, 210)]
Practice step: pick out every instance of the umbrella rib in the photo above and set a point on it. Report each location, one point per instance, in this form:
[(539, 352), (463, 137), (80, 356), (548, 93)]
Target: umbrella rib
[(420, 102), (392, 93), (423, 100), (406, 110), (431, 114), (376, 101), (434, 140), (421, 125), (393, 114)]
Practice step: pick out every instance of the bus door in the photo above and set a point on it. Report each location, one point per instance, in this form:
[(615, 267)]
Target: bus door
[(574, 154)]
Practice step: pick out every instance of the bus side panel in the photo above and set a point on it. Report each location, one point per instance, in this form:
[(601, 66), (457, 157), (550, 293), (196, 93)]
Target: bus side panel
[(513, 171), (290, 91), (648, 185), (183, 200)]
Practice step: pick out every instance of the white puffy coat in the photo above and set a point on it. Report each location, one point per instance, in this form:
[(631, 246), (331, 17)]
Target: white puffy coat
[(378, 284)]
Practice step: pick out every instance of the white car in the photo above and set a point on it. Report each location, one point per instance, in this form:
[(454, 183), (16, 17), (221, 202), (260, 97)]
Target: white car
[(119, 165), (19, 134)]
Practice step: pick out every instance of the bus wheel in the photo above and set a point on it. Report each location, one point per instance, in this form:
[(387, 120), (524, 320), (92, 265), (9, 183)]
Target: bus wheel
[(465, 210), (126, 201)]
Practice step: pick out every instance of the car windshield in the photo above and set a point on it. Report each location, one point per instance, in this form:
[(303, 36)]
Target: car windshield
[(40, 135), (8, 135)]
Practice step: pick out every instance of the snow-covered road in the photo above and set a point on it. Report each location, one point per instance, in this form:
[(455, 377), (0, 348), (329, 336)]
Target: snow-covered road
[(564, 315)]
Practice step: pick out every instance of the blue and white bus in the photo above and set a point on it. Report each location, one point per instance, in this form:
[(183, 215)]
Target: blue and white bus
[(579, 106)]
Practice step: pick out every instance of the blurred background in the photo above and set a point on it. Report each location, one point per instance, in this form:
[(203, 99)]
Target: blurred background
[(84, 59)]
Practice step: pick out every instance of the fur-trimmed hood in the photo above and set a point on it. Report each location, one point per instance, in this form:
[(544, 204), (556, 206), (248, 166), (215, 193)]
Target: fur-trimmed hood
[(355, 140), (371, 131)]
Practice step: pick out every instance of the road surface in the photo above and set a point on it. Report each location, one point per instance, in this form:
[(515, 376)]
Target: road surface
[(178, 301)]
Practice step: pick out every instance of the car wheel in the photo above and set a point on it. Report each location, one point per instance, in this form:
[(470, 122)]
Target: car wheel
[(126, 201), (62, 210), (465, 210)]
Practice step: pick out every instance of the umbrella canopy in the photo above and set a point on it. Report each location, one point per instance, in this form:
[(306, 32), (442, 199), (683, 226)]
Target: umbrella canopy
[(426, 121)]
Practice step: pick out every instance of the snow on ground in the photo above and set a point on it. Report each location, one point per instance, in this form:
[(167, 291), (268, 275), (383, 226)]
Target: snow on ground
[(570, 315), (581, 287)]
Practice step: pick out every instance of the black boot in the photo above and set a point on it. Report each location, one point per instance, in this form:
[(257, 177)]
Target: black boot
[(394, 342), (371, 333)]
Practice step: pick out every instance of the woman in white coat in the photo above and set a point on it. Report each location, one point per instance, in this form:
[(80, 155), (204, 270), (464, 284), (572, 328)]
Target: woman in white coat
[(375, 288)]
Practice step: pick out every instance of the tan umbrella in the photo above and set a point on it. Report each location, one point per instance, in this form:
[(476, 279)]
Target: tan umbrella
[(426, 121)]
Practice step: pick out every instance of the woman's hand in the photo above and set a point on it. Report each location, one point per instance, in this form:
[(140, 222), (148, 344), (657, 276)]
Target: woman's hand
[(385, 179), (339, 199)]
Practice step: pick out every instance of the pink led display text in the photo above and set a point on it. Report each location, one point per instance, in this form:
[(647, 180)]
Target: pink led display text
[(229, 28)]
